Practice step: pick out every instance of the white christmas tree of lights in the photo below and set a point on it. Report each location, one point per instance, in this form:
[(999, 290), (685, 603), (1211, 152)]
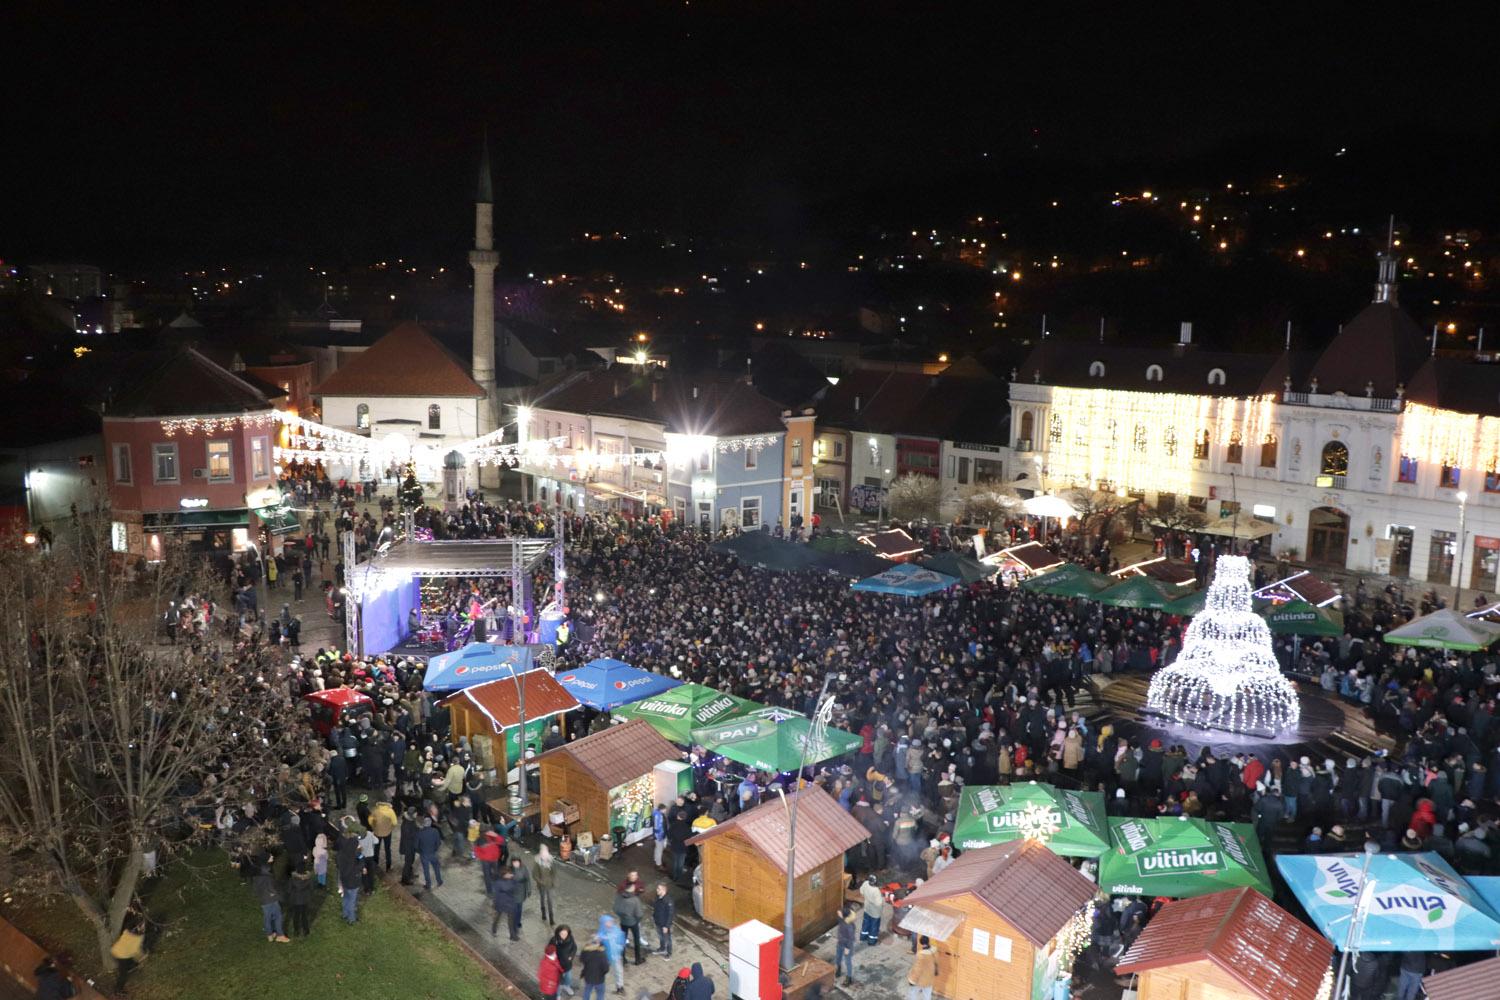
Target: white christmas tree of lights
[(1226, 676)]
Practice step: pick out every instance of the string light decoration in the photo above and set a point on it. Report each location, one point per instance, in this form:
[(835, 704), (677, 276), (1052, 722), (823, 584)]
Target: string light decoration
[(1038, 822), (1142, 440), (1444, 437), (1226, 677)]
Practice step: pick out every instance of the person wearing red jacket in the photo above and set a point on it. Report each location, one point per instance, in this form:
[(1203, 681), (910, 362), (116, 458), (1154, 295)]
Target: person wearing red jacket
[(549, 973), (488, 852)]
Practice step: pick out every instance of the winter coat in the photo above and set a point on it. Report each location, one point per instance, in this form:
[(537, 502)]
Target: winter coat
[(503, 896), (349, 867), (548, 975), (847, 931), (595, 964), (543, 876), (567, 950), (663, 911), (299, 890), (382, 820), (923, 968), (628, 909), (700, 987), (429, 842), (1072, 754), (612, 937)]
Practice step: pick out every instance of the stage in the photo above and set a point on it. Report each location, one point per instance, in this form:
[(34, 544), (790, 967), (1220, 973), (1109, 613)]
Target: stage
[(1328, 728)]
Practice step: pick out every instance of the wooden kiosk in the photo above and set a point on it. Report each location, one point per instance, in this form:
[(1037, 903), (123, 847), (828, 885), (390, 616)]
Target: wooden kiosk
[(1231, 945), (744, 863), (493, 709), (609, 776), (1005, 921)]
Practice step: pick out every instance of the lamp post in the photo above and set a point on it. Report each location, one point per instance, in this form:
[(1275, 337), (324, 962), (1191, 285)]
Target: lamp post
[(1458, 585), (1361, 903), (815, 737)]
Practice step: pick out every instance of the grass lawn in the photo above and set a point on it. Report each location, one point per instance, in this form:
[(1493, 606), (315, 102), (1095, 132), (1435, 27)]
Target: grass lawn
[(208, 945)]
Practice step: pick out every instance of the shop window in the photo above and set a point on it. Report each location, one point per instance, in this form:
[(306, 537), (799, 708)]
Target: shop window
[(1448, 477)]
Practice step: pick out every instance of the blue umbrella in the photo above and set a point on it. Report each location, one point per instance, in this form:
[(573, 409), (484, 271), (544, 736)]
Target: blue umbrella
[(1410, 902), (606, 684), (906, 580), (474, 664)]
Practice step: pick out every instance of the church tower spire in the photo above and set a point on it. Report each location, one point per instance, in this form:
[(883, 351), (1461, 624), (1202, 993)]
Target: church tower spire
[(483, 260)]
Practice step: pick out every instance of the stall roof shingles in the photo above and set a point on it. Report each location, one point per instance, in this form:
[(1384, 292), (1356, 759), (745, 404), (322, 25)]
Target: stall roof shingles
[(1467, 982), (1259, 944), (1023, 882), (620, 753), (824, 830), (497, 698)]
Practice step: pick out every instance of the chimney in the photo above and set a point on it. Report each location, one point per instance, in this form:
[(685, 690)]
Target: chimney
[(1185, 334)]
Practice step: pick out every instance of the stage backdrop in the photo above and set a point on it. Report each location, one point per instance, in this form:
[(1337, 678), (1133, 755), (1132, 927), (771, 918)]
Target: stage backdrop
[(383, 616)]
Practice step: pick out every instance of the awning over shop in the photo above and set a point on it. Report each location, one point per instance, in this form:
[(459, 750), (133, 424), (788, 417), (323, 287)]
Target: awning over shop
[(931, 921), (1071, 823), (1411, 902), (606, 684), (281, 522), (1181, 857), (196, 520)]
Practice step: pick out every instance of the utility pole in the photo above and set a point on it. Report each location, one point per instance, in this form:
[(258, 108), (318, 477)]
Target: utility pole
[(816, 735)]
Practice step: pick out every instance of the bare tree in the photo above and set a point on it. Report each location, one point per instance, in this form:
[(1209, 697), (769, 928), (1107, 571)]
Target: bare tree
[(912, 497), (114, 743), (1176, 517), (1097, 509), (983, 503)]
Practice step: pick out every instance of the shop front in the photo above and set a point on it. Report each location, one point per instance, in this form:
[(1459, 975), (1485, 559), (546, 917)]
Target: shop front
[(196, 529)]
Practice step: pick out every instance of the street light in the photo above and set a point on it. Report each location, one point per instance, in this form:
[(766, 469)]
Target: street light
[(816, 735), (1458, 588)]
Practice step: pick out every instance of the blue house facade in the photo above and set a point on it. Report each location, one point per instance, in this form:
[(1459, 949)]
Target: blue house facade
[(733, 482)]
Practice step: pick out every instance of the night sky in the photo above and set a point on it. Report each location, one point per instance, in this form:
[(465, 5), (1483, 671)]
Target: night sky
[(286, 136)]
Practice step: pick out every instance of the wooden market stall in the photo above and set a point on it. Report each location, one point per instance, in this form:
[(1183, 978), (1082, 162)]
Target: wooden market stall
[(494, 708), (1005, 921), (744, 863), (1230, 945), (610, 777)]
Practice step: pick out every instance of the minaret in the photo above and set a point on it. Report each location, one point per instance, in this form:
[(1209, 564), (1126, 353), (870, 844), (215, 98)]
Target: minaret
[(483, 260)]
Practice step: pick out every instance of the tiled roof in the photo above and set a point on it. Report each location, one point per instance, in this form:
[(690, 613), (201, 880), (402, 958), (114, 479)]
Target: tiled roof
[(620, 753), (874, 400), (1457, 384), (1467, 982), (711, 405), (185, 384), (1060, 362), (1249, 937), (1382, 345), (824, 830), (497, 698), (1022, 882), (405, 362)]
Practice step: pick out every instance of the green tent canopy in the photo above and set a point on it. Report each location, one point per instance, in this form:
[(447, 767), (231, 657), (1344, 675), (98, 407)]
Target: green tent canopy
[(1301, 618), (1070, 823), (1068, 580), (676, 713), (1446, 629), (1137, 592), (966, 569), (773, 739), (1187, 606), (1181, 857)]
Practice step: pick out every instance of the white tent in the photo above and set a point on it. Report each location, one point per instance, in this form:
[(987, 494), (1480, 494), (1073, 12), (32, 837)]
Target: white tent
[(1049, 505), (1238, 527), (1445, 629)]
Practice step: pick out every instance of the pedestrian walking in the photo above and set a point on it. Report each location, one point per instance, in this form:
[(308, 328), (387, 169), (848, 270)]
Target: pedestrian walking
[(129, 949), (429, 844), (503, 898), (522, 879), (628, 910), (594, 967), (663, 914), (874, 902), (923, 973), (843, 952), (567, 953), (700, 987), (409, 831), (543, 878), (658, 833), (613, 939)]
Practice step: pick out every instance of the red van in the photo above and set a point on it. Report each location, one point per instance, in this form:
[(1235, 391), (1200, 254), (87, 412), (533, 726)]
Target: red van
[(335, 706)]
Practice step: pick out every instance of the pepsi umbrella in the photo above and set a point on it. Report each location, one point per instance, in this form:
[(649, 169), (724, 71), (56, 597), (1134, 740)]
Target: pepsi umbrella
[(605, 684), (906, 580), (474, 664)]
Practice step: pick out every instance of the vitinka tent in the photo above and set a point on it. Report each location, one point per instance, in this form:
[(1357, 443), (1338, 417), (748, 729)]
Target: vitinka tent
[(1070, 823), (1181, 857), (774, 739), (676, 713)]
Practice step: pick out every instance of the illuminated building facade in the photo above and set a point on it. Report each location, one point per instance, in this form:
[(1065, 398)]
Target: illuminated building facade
[(1372, 455)]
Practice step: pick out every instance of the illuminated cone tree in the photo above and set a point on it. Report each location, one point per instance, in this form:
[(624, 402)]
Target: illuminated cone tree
[(1226, 677)]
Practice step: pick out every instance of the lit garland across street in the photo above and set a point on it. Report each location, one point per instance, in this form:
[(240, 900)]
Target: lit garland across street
[(1226, 677)]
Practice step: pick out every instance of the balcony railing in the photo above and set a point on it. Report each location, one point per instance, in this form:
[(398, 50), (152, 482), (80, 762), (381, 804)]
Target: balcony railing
[(1339, 401)]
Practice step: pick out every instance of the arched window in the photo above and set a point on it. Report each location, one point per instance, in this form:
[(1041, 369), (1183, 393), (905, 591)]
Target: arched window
[(1335, 459), (1096, 369), (1268, 452), (1216, 376), (1028, 424), (362, 416), (434, 417), (1153, 373), (1235, 453)]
